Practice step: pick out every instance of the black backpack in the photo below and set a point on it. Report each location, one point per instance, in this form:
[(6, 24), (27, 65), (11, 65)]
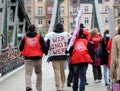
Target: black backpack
[(91, 49)]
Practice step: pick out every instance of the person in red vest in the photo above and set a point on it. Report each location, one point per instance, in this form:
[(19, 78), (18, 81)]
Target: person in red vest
[(80, 58), (97, 72), (32, 48)]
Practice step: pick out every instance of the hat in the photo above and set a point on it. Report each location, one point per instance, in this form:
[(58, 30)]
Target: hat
[(82, 26)]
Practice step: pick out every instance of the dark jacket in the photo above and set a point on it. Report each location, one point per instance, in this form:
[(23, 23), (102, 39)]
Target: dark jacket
[(42, 43), (104, 57)]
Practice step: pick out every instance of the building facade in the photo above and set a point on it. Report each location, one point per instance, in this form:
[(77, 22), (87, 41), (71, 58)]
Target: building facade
[(117, 12), (87, 7), (48, 10), (42, 13), (30, 8), (64, 13)]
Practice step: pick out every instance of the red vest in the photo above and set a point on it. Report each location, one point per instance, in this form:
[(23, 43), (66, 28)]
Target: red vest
[(32, 47), (96, 40), (108, 48), (80, 52)]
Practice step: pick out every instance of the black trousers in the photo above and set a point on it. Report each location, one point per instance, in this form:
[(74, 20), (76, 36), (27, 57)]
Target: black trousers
[(70, 74), (97, 74)]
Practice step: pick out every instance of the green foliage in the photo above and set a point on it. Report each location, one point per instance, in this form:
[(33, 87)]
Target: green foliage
[(42, 32)]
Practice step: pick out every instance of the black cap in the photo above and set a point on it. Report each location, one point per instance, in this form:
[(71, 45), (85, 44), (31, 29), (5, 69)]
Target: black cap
[(82, 26)]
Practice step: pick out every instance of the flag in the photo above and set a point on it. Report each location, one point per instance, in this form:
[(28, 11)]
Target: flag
[(76, 29)]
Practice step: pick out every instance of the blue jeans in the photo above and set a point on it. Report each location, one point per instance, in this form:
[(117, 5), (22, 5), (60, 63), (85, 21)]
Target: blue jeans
[(79, 69), (106, 73)]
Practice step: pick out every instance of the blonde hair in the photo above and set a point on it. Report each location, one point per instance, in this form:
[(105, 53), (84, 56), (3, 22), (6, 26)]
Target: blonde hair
[(94, 31)]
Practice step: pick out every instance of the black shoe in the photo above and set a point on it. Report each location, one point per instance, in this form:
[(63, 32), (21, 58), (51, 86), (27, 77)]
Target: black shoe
[(106, 84), (28, 89), (86, 83), (68, 84)]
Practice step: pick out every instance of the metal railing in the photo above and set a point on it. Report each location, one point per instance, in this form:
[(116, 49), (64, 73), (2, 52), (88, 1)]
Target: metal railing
[(10, 59)]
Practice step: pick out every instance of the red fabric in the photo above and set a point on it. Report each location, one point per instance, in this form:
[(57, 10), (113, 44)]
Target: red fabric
[(32, 47), (80, 52), (109, 45), (97, 60), (86, 33), (108, 48), (96, 39)]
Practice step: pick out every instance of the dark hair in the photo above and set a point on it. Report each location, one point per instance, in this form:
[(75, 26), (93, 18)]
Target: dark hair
[(104, 37), (58, 27), (119, 30), (82, 26), (106, 32), (31, 28)]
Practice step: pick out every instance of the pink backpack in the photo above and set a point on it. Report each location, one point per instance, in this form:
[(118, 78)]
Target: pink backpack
[(116, 87)]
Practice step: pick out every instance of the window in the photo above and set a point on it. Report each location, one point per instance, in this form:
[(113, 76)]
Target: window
[(106, 8), (106, 20), (86, 9), (118, 21), (39, 0), (49, 21), (28, 1), (74, 10), (39, 10), (61, 0), (74, 21), (49, 10), (61, 9), (28, 10), (119, 11), (40, 21), (62, 20), (86, 20), (107, 0)]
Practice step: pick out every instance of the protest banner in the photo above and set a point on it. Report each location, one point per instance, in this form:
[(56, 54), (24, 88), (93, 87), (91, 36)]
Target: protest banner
[(76, 29)]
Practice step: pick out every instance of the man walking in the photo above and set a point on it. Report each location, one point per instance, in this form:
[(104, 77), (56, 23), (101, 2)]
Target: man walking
[(32, 48), (57, 44)]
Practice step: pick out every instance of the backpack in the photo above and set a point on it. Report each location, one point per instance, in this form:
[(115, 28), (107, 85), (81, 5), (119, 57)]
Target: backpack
[(90, 47)]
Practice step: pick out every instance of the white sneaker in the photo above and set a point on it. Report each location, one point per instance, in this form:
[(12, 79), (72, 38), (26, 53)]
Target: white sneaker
[(96, 81)]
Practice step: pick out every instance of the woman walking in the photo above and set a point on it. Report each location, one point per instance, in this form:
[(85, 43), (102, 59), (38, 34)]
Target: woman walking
[(115, 57), (95, 38)]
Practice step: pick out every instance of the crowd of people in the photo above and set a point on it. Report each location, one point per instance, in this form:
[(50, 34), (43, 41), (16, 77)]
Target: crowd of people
[(84, 51)]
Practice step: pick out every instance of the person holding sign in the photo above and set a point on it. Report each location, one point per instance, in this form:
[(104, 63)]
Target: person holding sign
[(80, 58), (57, 42)]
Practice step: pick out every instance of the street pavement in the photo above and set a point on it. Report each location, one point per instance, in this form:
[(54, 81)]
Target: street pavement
[(16, 81)]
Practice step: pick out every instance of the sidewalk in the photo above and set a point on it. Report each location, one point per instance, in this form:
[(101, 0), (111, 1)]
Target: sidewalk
[(16, 82)]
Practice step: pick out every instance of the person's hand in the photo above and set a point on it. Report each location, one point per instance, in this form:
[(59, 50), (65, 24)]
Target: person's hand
[(66, 52), (112, 77)]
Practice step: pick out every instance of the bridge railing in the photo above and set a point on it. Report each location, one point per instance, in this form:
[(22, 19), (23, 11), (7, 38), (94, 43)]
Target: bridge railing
[(10, 59)]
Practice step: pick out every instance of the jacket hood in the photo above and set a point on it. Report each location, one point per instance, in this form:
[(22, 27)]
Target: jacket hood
[(58, 31), (31, 34)]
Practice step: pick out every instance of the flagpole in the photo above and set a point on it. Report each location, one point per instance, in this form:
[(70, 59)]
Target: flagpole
[(76, 29)]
